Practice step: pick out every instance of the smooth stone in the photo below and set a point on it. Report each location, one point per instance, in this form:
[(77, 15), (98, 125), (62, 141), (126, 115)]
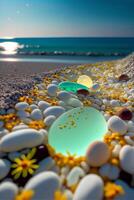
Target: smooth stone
[(20, 127), (33, 106), (36, 114), (123, 77), (22, 114), (49, 120), (114, 103), (4, 168), (127, 158), (80, 125), (21, 139), (52, 89), (116, 124), (3, 132), (55, 82), (90, 187), (43, 105), (97, 154), (83, 92), (85, 80), (44, 185), (21, 106), (54, 110), (8, 191), (95, 87), (74, 102), (62, 104), (109, 171), (71, 86), (63, 95), (45, 165), (125, 114), (74, 176)]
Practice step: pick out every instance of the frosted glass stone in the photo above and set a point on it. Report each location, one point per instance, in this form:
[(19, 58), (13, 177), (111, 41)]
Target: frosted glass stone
[(85, 80), (74, 130), (71, 86)]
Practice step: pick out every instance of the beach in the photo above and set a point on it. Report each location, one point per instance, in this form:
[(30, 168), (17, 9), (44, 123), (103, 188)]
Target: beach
[(67, 131), (15, 76)]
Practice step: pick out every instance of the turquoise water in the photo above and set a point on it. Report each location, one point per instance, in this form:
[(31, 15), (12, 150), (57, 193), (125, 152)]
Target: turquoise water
[(85, 49)]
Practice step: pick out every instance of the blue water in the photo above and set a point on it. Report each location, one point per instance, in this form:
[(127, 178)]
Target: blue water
[(75, 49)]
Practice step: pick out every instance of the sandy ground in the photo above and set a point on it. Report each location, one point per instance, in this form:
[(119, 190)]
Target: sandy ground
[(17, 77)]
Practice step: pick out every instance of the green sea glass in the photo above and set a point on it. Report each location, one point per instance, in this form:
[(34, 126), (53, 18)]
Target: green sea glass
[(74, 130), (71, 86)]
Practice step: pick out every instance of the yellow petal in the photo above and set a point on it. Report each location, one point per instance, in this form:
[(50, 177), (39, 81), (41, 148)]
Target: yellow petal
[(19, 169), (17, 160), (23, 157), (33, 161), (31, 171), (17, 175), (14, 165), (31, 153), (35, 166), (24, 173)]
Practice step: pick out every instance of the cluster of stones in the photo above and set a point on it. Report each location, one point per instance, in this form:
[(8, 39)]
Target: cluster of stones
[(100, 175)]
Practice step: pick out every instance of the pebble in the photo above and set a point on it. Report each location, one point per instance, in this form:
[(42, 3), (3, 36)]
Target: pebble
[(49, 120), (43, 105), (21, 106), (109, 171), (125, 114), (116, 150), (97, 154), (20, 127), (8, 191), (33, 106), (90, 187), (64, 96), (54, 110), (74, 102), (36, 114), (74, 176), (83, 92), (21, 139), (13, 155), (3, 132), (52, 89), (116, 124), (45, 165), (44, 185), (4, 168), (127, 159), (22, 114), (114, 103)]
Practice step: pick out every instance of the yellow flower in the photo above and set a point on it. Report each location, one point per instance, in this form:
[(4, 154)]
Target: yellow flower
[(111, 190), (24, 165), (37, 124), (59, 196), (25, 195)]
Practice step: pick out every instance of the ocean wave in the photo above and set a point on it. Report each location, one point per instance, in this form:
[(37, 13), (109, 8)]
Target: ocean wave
[(61, 53)]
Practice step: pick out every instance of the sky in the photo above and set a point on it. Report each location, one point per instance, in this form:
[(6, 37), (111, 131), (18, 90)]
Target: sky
[(66, 18)]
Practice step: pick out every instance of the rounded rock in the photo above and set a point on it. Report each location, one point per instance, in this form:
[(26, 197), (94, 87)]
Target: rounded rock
[(4, 168), (36, 114), (8, 191), (63, 95), (90, 187), (54, 110), (21, 139), (21, 106), (43, 105), (74, 102), (52, 89), (44, 185), (98, 154), (116, 124), (49, 120), (125, 114), (127, 159)]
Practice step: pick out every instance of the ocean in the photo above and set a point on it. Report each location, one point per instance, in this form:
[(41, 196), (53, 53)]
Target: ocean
[(81, 50)]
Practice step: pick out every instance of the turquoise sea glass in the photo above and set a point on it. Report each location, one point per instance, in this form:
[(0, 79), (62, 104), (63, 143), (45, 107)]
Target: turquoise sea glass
[(71, 86), (74, 130)]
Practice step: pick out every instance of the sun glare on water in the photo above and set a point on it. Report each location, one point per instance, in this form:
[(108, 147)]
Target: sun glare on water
[(9, 48)]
